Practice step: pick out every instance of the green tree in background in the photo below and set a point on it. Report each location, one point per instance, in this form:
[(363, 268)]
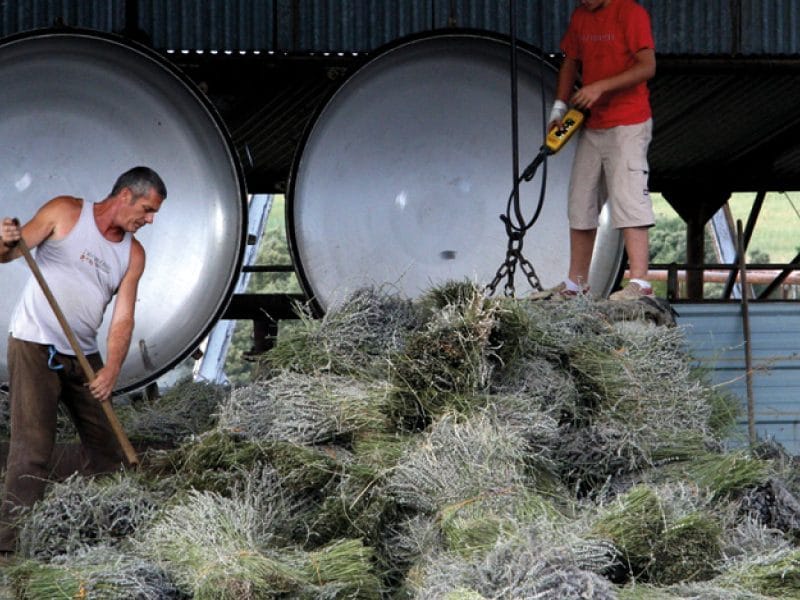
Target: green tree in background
[(758, 257), (273, 250), (668, 243)]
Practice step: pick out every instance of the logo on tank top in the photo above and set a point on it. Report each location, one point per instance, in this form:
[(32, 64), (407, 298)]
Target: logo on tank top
[(95, 261), (598, 37)]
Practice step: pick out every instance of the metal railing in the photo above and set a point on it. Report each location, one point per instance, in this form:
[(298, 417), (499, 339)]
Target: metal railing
[(772, 281)]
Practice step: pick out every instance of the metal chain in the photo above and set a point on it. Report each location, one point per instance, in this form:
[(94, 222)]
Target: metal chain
[(514, 257), (516, 232)]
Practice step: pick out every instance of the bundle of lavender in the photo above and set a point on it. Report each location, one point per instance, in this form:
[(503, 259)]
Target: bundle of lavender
[(461, 447)]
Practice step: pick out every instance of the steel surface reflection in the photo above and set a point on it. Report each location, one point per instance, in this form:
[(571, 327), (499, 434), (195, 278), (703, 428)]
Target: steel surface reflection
[(405, 171), (79, 108)]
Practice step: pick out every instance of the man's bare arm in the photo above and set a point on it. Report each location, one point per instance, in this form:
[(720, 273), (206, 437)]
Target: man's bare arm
[(53, 219), (121, 327), (567, 76), (642, 70)]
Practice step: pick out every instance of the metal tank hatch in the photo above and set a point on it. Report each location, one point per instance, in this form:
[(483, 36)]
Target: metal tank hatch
[(81, 107), (404, 171)]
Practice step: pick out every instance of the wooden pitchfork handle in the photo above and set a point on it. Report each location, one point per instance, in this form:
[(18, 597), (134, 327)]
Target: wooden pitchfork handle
[(127, 448)]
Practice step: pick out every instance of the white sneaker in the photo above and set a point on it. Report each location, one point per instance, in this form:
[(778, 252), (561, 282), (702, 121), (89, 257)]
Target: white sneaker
[(632, 291)]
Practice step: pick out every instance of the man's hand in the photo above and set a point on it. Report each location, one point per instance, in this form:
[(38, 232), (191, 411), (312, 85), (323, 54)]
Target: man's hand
[(643, 69), (556, 115), (553, 125), (10, 232), (585, 97), (104, 381)]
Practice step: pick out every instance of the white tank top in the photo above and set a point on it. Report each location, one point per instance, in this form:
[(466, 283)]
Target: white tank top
[(83, 271)]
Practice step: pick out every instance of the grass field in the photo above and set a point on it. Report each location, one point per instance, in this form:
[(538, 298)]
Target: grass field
[(777, 230)]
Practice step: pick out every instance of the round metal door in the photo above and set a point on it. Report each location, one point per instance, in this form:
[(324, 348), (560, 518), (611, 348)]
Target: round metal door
[(80, 108), (404, 173)]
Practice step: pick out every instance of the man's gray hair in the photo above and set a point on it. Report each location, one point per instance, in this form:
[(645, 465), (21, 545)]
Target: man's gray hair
[(140, 180)]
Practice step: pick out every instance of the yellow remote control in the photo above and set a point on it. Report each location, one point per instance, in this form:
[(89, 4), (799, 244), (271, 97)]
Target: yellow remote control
[(559, 136)]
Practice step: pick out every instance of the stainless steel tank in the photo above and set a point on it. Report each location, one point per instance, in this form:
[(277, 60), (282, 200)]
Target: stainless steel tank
[(78, 109), (404, 172)]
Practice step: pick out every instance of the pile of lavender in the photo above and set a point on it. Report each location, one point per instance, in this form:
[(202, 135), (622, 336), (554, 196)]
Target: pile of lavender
[(456, 447)]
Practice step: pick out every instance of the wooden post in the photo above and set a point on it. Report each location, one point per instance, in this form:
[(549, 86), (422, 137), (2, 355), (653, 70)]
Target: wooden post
[(748, 350)]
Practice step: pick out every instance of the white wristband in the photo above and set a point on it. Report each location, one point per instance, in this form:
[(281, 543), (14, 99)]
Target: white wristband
[(558, 111)]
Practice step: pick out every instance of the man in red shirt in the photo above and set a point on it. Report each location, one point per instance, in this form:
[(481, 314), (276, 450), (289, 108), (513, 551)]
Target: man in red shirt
[(609, 43)]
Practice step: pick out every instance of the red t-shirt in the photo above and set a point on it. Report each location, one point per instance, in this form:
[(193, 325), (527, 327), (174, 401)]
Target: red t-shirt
[(605, 42)]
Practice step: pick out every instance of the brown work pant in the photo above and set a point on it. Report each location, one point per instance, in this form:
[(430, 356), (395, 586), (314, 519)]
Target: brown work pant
[(34, 394)]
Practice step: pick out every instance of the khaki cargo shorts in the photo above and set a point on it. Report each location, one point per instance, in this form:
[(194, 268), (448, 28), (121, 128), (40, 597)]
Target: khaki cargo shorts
[(611, 164)]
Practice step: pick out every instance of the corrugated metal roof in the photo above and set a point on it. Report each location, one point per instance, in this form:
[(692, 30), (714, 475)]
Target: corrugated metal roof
[(691, 27), (351, 25), (771, 27), (300, 26), (679, 26), (22, 15), (715, 338), (211, 25)]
